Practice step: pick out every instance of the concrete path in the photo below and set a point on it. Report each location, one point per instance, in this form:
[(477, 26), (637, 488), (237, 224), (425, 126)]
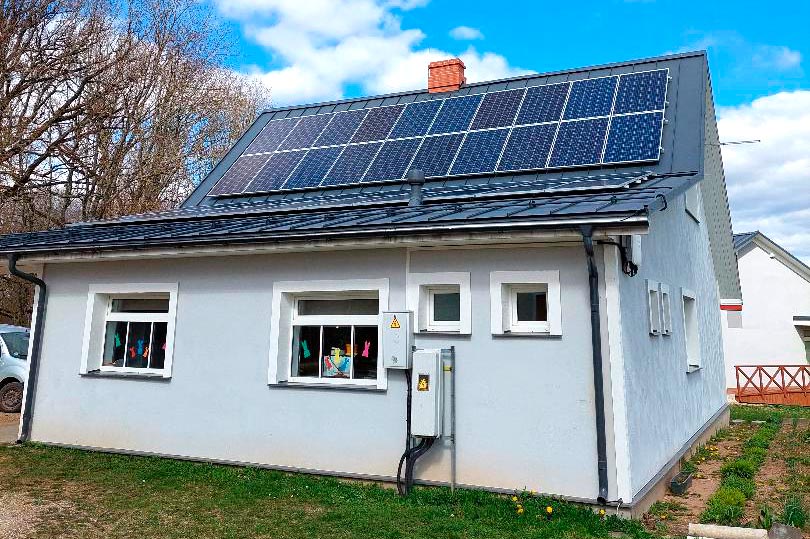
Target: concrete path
[(8, 434)]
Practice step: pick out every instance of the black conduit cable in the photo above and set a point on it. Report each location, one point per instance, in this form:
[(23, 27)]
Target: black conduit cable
[(403, 486), (410, 465), (33, 361), (598, 381)]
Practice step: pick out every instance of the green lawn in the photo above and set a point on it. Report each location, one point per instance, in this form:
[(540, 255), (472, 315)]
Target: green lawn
[(114, 496)]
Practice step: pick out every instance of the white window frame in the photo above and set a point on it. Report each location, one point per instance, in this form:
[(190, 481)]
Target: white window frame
[(99, 312), (419, 290), (654, 307), (666, 310), (691, 331), (504, 287), (284, 314)]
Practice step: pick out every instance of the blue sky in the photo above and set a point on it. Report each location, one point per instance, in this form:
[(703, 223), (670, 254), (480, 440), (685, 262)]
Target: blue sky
[(315, 50)]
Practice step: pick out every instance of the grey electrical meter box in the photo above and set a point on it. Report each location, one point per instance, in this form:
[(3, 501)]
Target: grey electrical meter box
[(397, 340)]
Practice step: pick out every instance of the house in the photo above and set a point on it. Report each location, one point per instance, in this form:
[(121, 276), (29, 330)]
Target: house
[(566, 235), (774, 327)]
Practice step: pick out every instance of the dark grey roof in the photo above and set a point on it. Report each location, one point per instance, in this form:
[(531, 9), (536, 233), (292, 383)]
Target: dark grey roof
[(496, 201), (268, 223), (742, 239)]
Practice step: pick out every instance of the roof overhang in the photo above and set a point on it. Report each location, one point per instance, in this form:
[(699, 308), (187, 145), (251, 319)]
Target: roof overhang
[(472, 234), (776, 251)]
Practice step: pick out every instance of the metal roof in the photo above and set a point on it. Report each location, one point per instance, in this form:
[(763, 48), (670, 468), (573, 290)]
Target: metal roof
[(742, 239), (494, 202)]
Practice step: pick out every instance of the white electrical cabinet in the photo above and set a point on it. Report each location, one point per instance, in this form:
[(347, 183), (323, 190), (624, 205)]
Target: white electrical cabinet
[(397, 339), (427, 392)]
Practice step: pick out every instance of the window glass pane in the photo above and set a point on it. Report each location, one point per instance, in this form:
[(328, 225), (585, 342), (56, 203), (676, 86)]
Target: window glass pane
[(115, 341), (337, 352), (158, 347), (137, 353), (446, 306), (309, 307), (140, 305), (305, 348), (17, 344), (531, 307), (365, 352)]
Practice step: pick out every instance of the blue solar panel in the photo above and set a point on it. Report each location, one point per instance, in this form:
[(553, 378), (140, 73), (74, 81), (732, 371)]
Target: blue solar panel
[(528, 147), (341, 128), (273, 174), (639, 92), (305, 133), (239, 174), (352, 164), (543, 104), (415, 119), (271, 136), (480, 152), (636, 137), (591, 97), (579, 143), (392, 161), (313, 168), (498, 109), (378, 124), (436, 154), (456, 114)]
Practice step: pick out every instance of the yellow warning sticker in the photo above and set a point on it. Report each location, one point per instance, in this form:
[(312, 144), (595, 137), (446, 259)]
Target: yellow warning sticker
[(395, 323), (424, 383)]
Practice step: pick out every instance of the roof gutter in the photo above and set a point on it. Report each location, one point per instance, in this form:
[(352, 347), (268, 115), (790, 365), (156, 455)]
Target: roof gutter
[(598, 380), (33, 360)]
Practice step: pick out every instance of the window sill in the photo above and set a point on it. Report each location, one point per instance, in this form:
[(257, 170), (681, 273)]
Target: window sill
[(125, 375), (525, 334), (441, 332), (693, 368), (330, 387)]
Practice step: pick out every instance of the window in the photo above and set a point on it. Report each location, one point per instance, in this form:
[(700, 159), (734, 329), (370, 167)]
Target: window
[(691, 330), (692, 200), (129, 329), (440, 302), (327, 333), (666, 311), (654, 307), (335, 337), (16, 344), (525, 303)]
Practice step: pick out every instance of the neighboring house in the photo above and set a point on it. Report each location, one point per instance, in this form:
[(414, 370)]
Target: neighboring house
[(577, 275), (774, 326)]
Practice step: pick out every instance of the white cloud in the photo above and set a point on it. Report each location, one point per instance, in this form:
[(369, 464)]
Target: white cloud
[(779, 58), (325, 46), (769, 182), (466, 33)]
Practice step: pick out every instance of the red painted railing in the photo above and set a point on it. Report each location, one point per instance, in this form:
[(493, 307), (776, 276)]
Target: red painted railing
[(773, 384)]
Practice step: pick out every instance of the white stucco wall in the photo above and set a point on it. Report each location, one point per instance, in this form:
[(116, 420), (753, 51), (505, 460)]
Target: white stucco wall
[(525, 404), (773, 294), (666, 405)]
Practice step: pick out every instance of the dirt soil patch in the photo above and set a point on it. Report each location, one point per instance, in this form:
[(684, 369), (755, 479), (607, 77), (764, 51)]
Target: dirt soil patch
[(674, 513), (9, 419), (22, 517)]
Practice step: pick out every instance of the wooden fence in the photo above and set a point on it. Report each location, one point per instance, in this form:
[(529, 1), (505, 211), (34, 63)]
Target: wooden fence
[(773, 384)]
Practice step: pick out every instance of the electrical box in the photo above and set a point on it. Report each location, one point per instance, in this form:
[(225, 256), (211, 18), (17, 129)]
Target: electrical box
[(427, 393), (397, 339)]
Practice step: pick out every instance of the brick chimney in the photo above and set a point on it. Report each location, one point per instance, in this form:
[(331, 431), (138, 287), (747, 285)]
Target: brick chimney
[(446, 75)]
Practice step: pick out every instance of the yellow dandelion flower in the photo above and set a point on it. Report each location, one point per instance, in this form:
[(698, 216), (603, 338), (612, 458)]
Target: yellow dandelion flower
[(519, 510), (602, 512), (549, 509), (514, 498)]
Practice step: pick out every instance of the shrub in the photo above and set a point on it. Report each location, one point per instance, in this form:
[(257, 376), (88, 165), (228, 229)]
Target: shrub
[(725, 507), (743, 484), (794, 513), (740, 468)]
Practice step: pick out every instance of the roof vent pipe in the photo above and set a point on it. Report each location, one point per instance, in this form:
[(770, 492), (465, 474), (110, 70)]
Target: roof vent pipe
[(416, 179)]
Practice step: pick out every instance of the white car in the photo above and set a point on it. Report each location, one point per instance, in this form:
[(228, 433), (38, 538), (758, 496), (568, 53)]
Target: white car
[(13, 366)]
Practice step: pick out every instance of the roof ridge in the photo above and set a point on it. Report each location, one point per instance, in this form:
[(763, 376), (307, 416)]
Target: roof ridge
[(687, 54)]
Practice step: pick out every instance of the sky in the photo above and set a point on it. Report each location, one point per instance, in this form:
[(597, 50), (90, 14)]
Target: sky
[(759, 53)]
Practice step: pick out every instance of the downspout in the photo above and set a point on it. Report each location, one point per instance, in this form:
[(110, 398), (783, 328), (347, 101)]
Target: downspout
[(598, 382), (33, 361)]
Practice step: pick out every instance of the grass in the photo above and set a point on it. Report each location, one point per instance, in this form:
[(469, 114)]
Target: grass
[(116, 496)]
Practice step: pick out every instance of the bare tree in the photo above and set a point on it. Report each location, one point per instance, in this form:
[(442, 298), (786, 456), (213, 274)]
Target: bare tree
[(110, 108)]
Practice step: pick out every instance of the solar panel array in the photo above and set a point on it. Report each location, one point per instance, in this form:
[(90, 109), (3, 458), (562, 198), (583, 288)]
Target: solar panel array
[(606, 120)]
